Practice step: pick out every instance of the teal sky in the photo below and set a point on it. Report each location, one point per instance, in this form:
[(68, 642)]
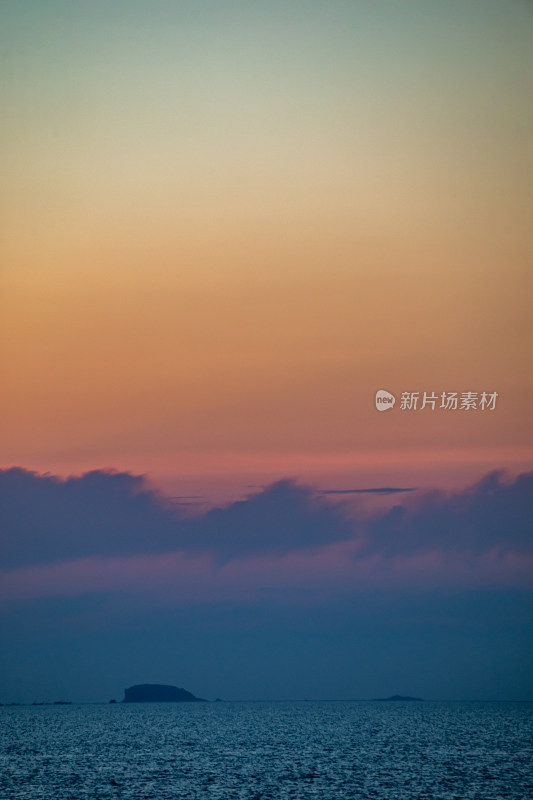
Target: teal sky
[(436, 92)]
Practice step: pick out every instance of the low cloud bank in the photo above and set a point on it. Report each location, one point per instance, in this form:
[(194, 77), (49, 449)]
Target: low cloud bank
[(107, 532)]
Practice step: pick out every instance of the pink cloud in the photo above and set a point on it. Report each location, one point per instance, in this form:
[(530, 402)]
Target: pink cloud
[(197, 578)]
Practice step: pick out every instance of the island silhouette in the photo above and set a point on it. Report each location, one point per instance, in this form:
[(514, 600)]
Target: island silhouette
[(395, 697), (159, 693)]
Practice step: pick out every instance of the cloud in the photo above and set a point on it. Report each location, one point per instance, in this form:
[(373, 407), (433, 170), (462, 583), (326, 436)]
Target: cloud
[(295, 578), (282, 517), (378, 490), (493, 515), (46, 519), (105, 514)]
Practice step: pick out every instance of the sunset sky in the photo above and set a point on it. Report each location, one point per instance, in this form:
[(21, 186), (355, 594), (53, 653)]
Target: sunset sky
[(226, 224)]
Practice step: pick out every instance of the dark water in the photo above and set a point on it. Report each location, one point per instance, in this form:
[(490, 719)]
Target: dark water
[(219, 751)]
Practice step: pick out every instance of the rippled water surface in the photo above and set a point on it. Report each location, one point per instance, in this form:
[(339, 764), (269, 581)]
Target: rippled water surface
[(330, 751)]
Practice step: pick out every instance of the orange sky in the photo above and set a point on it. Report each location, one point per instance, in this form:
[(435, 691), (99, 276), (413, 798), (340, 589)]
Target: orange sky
[(215, 254)]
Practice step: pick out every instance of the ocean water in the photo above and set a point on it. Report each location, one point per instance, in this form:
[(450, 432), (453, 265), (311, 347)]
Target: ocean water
[(220, 751)]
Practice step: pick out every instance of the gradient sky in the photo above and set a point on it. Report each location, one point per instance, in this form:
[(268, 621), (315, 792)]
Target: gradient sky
[(227, 224), (224, 226)]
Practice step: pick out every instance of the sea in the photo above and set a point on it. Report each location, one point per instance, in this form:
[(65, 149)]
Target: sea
[(278, 750)]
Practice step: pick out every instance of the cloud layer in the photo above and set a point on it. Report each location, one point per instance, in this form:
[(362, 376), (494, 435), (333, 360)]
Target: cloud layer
[(104, 583), (107, 532)]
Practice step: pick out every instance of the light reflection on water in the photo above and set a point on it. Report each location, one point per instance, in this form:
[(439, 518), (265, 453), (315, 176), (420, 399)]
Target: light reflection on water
[(220, 751)]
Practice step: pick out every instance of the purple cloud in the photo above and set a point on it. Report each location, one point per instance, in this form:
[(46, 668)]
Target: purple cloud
[(108, 514)]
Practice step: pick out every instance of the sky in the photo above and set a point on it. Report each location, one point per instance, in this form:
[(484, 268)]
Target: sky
[(225, 226)]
